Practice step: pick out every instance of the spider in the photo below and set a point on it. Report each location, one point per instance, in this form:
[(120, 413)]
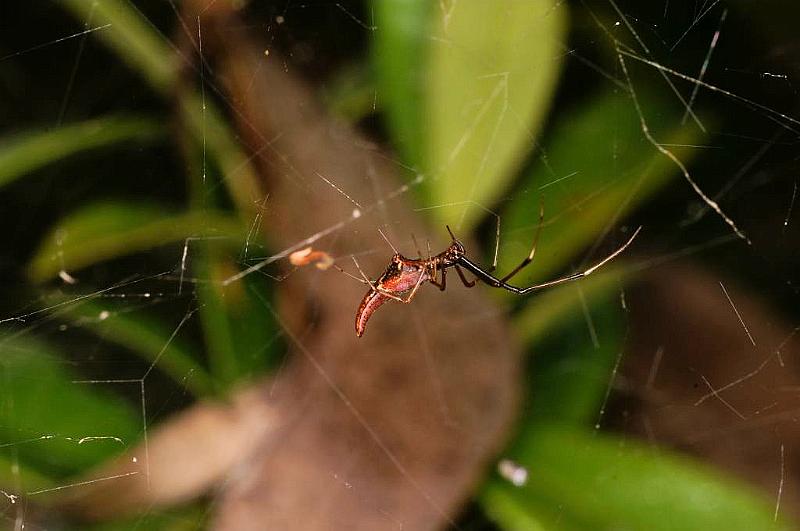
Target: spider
[(405, 275)]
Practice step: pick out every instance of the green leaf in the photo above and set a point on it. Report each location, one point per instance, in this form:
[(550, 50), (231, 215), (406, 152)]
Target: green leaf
[(581, 480), (53, 422), (190, 518), (240, 331), (569, 374), (256, 333), (573, 365), (547, 309), (492, 70), (351, 94), (599, 168), (134, 39), (399, 53), (211, 268), (511, 510), (508, 510), (18, 479), (145, 336), (26, 152), (208, 127), (107, 230)]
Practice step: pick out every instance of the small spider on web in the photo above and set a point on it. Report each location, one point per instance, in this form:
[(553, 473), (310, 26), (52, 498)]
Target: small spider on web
[(403, 276)]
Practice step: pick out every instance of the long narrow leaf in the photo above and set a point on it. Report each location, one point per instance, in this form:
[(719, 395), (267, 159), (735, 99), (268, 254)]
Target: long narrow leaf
[(587, 480), (103, 231), (190, 518), (240, 332), (25, 152), (400, 51), (136, 41)]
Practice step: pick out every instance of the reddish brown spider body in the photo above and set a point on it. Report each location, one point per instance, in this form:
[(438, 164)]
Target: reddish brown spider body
[(406, 275), (403, 275)]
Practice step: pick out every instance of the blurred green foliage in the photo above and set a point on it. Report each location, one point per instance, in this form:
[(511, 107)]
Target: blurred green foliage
[(108, 230), (465, 105), (23, 153), (188, 518), (54, 415), (582, 480)]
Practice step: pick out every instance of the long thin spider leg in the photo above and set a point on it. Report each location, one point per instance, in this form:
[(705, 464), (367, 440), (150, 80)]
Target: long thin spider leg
[(466, 282), (586, 272), (388, 241), (497, 283), (433, 273), (340, 270), (613, 255), (530, 256), (444, 280)]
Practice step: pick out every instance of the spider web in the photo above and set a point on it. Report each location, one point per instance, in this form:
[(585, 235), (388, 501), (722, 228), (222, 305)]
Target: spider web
[(739, 223)]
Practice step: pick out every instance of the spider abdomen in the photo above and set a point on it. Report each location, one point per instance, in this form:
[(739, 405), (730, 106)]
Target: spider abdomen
[(400, 277)]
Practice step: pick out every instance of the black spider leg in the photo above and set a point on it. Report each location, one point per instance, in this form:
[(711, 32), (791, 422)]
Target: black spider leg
[(444, 279), (490, 280), (487, 278), (466, 282), (528, 259)]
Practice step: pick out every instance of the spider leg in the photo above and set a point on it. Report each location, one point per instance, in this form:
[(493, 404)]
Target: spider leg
[(486, 277), (436, 272), (583, 273), (530, 256), (359, 279), (466, 282), (388, 241), (444, 280)]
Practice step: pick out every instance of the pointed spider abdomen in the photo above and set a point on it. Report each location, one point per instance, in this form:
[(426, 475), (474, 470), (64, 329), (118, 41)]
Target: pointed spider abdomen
[(371, 302), (402, 276)]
